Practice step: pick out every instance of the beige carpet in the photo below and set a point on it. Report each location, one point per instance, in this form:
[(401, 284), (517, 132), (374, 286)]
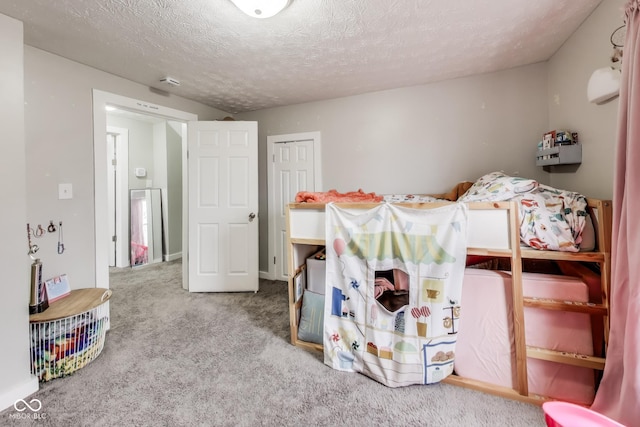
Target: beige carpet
[(179, 359)]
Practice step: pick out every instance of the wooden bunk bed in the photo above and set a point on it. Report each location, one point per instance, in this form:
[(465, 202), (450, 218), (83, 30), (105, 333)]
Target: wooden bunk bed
[(493, 231)]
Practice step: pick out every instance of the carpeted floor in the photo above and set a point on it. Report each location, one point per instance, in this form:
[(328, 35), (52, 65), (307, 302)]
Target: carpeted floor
[(179, 359)]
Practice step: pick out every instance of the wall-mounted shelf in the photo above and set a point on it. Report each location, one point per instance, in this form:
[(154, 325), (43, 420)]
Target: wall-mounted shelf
[(560, 155)]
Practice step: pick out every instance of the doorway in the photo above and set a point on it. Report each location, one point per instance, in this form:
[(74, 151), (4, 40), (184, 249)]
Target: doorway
[(174, 119), (150, 173), (294, 165), (117, 189)]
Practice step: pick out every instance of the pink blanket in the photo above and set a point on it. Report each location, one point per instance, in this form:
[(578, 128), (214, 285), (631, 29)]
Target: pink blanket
[(334, 196)]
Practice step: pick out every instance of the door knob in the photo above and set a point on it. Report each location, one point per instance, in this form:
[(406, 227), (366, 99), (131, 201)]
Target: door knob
[(252, 216)]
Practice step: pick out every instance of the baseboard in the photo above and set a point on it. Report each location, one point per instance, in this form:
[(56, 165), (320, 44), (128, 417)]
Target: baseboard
[(173, 257), (266, 275), (8, 398)]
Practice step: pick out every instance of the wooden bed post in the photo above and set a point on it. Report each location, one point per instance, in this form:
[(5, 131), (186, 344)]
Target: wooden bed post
[(292, 312), (603, 236), (518, 303)]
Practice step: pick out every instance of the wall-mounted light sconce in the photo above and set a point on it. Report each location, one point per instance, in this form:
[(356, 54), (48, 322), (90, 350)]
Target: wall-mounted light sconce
[(261, 8), (604, 85)]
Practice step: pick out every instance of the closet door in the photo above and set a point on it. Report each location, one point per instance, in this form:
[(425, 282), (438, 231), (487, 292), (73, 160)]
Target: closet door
[(293, 171)]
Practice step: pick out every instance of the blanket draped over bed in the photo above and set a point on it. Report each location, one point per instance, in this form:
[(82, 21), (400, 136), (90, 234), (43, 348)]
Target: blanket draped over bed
[(393, 290), (334, 196), (550, 218)]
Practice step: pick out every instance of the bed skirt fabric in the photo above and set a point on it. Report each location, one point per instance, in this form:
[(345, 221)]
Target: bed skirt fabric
[(393, 291)]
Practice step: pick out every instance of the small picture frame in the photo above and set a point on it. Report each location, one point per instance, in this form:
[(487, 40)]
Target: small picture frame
[(57, 287), (299, 284)]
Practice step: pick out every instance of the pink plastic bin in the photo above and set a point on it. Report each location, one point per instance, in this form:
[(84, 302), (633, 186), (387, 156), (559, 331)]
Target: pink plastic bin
[(563, 414)]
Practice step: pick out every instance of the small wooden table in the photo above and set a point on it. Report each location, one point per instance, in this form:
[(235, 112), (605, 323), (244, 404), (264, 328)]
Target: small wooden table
[(78, 301)]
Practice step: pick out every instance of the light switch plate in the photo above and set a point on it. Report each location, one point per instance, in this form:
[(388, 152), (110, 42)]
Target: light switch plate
[(65, 191)]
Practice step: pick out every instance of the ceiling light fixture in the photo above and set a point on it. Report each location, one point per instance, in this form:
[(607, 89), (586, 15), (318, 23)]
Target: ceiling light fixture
[(261, 8)]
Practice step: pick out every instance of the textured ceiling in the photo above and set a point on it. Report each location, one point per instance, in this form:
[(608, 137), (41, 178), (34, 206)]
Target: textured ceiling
[(314, 49)]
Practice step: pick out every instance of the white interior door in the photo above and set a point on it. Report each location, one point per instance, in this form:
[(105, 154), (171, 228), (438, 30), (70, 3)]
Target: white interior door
[(294, 164), (223, 206)]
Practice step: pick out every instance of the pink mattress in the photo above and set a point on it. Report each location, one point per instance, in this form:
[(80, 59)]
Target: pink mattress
[(485, 343)]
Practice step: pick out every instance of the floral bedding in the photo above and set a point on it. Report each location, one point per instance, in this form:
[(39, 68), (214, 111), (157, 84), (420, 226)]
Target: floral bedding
[(550, 219), (409, 198)]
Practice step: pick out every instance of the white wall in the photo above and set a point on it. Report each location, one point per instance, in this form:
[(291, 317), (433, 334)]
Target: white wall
[(587, 49), (140, 147), (59, 141), (15, 379), (421, 139), (174, 189), (159, 150), (167, 152)]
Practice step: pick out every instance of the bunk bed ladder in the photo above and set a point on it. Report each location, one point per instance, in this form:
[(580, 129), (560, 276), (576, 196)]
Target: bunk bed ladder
[(603, 259)]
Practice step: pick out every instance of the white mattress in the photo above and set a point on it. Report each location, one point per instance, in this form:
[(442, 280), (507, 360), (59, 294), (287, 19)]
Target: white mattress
[(484, 349)]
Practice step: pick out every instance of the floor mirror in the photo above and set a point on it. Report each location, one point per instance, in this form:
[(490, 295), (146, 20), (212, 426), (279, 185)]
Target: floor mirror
[(146, 226)]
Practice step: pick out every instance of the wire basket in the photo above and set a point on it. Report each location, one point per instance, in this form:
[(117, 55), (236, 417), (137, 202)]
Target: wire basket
[(62, 346)]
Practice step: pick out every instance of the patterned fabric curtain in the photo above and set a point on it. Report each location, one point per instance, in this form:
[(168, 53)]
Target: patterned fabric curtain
[(618, 396), (393, 291)]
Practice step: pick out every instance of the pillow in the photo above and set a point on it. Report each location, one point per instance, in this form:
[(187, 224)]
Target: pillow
[(496, 187), (311, 326), (588, 242)]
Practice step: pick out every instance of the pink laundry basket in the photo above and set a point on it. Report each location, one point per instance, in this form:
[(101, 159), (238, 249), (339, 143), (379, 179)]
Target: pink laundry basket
[(563, 414)]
